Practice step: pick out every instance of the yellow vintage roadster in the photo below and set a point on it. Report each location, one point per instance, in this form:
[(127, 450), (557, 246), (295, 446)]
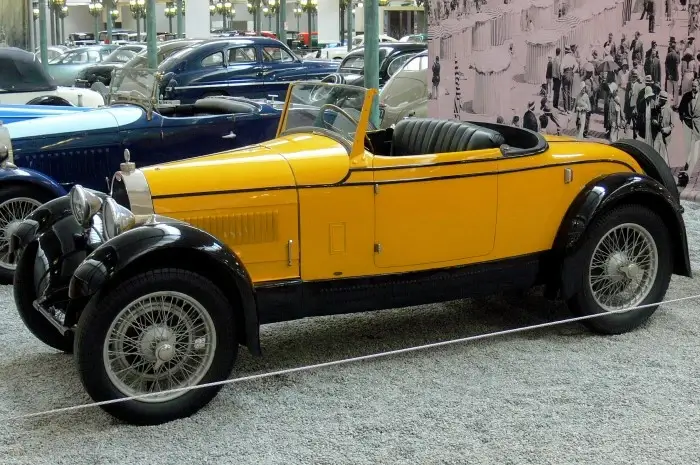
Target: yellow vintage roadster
[(156, 285)]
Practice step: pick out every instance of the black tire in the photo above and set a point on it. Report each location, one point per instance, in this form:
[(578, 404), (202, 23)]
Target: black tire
[(583, 303), (25, 293), (651, 162), (53, 100), (102, 310), (7, 194)]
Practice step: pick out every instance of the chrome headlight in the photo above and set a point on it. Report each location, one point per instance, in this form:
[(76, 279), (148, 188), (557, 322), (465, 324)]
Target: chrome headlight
[(84, 205), (116, 219)]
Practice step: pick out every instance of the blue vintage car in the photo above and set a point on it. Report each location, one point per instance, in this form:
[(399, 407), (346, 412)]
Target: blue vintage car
[(252, 67), (45, 157), (16, 113)]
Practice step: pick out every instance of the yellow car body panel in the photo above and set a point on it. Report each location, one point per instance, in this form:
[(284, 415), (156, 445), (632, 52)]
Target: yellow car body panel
[(423, 211)]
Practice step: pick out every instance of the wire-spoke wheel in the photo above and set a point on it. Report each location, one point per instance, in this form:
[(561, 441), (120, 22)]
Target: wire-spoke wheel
[(17, 202), (623, 267), (12, 212), (157, 331), (625, 261), (159, 342)]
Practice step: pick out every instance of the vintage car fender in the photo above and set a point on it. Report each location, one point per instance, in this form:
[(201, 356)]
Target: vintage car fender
[(604, 193), (160, 241), (27, 176)]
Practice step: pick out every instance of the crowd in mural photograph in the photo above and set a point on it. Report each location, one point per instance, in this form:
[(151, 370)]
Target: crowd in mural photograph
[(363, 232), (604, 69)]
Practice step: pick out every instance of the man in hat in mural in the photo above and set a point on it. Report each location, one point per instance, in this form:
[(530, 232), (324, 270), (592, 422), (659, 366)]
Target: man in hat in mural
[(622, 51), (436, 77), (610, 47), (689, 113), (651, 13), (672, 77), (556, 77), (529, 118), (662, 125), (615, 119), (635, 87), (637, 48), (649, 53), (690, 44), (568, 67), (583, 109)]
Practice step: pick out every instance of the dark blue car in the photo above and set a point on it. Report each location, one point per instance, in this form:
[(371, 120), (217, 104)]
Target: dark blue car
[(41, 159), (252, 67)]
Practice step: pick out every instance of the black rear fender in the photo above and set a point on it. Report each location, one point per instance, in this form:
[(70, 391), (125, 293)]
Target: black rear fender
[(171, 244), (600, 196)]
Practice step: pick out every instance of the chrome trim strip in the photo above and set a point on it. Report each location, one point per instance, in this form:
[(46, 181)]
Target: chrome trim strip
[(137, 190), (228, 84)]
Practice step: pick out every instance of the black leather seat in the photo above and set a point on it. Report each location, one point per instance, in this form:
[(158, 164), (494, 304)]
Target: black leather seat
[(417, 136)]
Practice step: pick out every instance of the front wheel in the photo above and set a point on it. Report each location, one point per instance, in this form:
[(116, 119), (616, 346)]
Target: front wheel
[(158, 331), (624, 261), (16, 203)]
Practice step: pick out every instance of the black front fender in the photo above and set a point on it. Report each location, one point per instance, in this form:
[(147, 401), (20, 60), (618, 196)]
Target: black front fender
[(169, 243), (608, 191)]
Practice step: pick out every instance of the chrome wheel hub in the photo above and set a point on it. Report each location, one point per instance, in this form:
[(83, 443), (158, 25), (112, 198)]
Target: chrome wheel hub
[(12, 212), (623, 267), (165, 352), (159, 342)]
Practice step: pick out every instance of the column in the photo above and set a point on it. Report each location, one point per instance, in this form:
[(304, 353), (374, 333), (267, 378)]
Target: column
[(327, 20), (359, 20), (196, 19)]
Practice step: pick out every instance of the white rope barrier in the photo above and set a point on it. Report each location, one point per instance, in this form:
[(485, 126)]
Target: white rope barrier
[(347, 360)]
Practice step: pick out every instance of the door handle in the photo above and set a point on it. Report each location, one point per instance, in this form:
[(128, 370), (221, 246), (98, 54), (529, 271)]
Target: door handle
[(230, 135)]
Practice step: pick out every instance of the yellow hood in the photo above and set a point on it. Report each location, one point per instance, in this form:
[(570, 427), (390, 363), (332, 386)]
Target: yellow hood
[(299, 159)]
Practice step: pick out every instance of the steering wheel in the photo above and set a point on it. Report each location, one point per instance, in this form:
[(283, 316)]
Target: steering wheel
[(319, 93), (337, 109)]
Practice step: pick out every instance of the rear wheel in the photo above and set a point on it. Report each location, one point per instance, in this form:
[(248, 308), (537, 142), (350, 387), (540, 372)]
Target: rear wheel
[(160, 330), (16, 203), (624, 262)]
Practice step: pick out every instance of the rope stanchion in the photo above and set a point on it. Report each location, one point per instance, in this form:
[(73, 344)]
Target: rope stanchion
[(389, 353)]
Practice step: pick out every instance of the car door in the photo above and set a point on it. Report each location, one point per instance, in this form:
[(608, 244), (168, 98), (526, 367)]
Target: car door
[(183, 137), (244, 76), (214, 76), (279, 67), (435, 209)]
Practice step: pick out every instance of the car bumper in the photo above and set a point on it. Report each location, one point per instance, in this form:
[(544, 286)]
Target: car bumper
[(60, 245)]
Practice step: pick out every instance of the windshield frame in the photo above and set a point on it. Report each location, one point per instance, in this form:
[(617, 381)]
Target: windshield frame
[(149, 103), (356, 147)]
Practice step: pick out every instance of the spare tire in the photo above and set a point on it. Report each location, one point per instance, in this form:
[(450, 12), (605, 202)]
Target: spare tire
[(52, 100), (334, 78), (651, 162)]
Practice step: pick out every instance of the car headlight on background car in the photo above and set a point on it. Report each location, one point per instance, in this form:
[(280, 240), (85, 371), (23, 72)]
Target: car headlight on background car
[(84, 204), (116, 219)]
